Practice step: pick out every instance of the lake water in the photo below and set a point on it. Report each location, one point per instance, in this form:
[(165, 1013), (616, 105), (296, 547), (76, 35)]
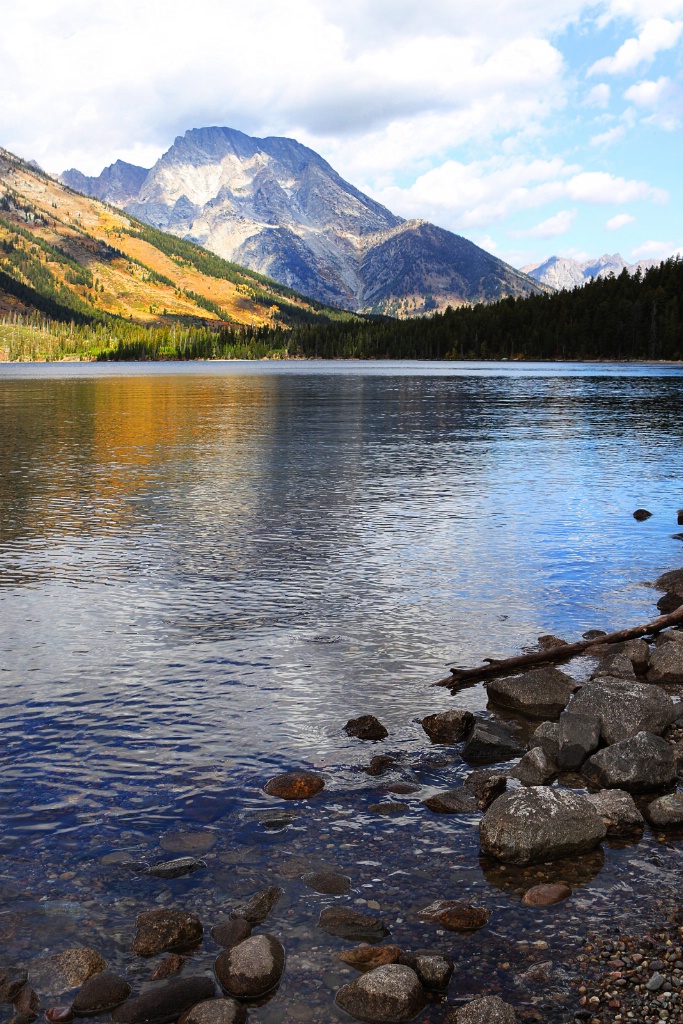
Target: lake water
[(206, 569)]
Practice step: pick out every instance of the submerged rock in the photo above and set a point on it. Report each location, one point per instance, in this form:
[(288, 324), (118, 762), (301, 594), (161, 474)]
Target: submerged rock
[(165, 1002), (366, 958), (540, 823), (391, 994), (624, 708), (100, 994), (535, 768), (350, 924), (452, 801), (484, 1010), (456, 916), (215, 1011), (388, 807), (639, 765), (12, 980), (546, 895), (367, 727), (618, 811), (53, 975), (169, 966), (541, 693), (327, 882), (448, 726), (188, 843), (490, 742), (380, 764), (252, 968), (295, 785), (229, 933), (258, 908), (176, 868), (164, 931)]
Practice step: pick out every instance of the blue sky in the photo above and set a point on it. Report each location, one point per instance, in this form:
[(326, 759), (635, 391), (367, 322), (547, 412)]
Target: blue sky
[(532, 128)]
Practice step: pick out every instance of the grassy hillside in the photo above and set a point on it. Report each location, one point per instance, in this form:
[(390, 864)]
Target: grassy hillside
[(69, 259)]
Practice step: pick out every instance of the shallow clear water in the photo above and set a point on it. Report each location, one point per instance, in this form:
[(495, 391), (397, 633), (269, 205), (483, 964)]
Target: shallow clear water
[(206, 569)]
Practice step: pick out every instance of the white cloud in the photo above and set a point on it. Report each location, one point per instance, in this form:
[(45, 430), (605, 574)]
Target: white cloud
[(600, 187), (556, 225), (653, 251), (608, 137), (657, 34), (648, 93), (599, 95), (619, 221)]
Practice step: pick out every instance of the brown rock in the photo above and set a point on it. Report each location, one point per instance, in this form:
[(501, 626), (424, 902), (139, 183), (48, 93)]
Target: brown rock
[(546, 895), (388, 807), (448, 726), (380, 764), (100, 994), (366, 958), (330, 883), (258, 908), (456, 916), (215, 1011), (352, 925), (295, 785), (391, 993), (486, 784), (252, 968), (53, 975), (367, 727), (452, 801), (27, 1004), (188, 843), (484, 1010), (641, 514), (230, 933), (165, 1002), (161, 931), (59, 1015), (169, 966), (12, 980)]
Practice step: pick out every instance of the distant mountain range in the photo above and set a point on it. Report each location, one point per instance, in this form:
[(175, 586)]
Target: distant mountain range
[(279, 208), (559, 272)]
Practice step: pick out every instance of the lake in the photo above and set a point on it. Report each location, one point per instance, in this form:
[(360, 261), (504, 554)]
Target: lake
[(207, 568)]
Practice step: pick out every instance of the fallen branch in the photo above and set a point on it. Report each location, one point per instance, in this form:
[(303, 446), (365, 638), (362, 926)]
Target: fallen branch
[(463, 676)]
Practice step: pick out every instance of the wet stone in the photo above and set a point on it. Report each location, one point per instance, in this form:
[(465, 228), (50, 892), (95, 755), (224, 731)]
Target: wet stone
[(641, 514), (452, 801), (188, 843), (433, 970), (637, 651), (12, 980), (117, 857), (616, 665), (59, 1015), (380, 764), (578, 736), (275, 822), (176, 868), (547, 737), (165, 1002), (490, 742), (672, 581), (541, 693), (230, 933), (618, 811), (448, 726), (26, 1005), (352, 925), (388, 808), (100, 994), (295, 785), (327, 882), (366, 958), (162, 931), (403, 788), (535, 768), (486, 784), (259, 907), (639, 765), (252, 968), (455, 915), (216, 1011), (624, 708), (666, 811), (169, 966), (485, 1010), (546, 895), (53, 975), (391, 993), (666, 663), (366, 727)]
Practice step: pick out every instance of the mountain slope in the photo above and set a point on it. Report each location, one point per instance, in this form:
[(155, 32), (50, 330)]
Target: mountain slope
[(279, 208), (561, 272), (71, 257)]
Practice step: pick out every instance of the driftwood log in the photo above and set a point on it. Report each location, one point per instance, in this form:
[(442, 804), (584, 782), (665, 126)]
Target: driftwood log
[(464, 676)]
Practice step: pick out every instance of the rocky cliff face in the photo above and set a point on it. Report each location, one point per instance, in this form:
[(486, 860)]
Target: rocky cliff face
[(277, 207), (558, 272)]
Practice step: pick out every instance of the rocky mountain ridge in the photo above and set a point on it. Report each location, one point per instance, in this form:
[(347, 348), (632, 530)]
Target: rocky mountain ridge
[(560, 272), (279, 208)]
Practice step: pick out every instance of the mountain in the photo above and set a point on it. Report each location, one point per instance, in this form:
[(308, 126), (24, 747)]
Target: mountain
[(279, 208), (559, 272), (73, 258)]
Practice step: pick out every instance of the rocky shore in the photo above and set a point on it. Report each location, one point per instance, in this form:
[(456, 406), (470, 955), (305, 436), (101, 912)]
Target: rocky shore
[(564, 766)]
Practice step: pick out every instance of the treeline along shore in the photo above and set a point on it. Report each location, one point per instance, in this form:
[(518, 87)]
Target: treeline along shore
[(627, 317)]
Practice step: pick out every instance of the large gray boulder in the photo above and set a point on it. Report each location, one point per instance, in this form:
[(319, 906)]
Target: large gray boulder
[(489, 742), (547, 737), (666, 662), (624, 708), (535, 768), (540, 823), (578, 736), (162, 931), (618, 811), (542, 693), (617, 665), (640, 764), (391, 994), (637, 651)]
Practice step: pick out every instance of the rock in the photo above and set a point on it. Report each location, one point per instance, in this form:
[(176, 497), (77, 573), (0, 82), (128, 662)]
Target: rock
[(535, 768), (433, 970), (367, 727), (252, 968), (666, 663), (366, 958), (669, 603), (540, 823), (452, 801), (549, 641), (295, 785), (26, 1005), (169, 966), (380, 764), (490, 742), (547, 737), (671, 581), (655, 982), (448, 726), (350, 924), (639, 765), (666, 811), (166, 931), (100, 994), (484, 1010), (637, 651), (403, 788), (53, 975), (680, 517), (616, 665), (188, 843), (618, 811), (229, 933), (455, 915), (541, 693), (486, 784), (593, 634), (624, 708), (275, 822), (176, 868), (578, 736), (391, 993), (669, 636), (327, 882), (258, 908), (165, 1002), (388, 807), (215, 1011), (546, 895), (59, 1015), (641, 514), (12, 980), (118, 857)]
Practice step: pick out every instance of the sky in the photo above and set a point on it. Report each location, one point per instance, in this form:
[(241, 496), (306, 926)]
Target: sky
[(532, 128)]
